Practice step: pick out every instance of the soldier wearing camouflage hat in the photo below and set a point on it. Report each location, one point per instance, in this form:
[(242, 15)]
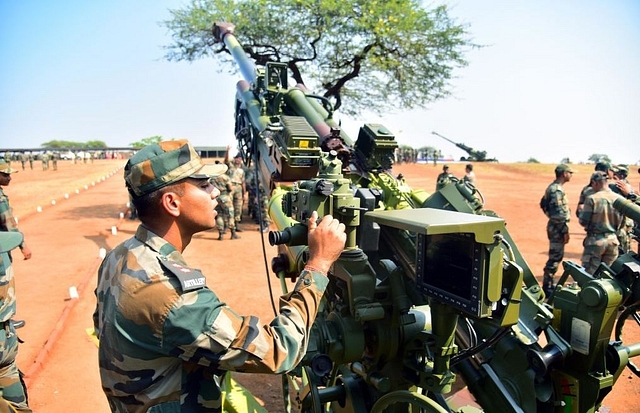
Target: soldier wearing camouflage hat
[(165, 337), (7, 221), (555, 206), (622, 187)]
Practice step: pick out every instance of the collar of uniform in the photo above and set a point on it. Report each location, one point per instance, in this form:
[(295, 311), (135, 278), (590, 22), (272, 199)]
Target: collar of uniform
[(158, 244)]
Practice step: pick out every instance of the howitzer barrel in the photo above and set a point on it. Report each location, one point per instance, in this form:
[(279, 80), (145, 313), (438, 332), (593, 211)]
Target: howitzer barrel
[(223, 32), (627, 208), (298, 101), (437, 134)]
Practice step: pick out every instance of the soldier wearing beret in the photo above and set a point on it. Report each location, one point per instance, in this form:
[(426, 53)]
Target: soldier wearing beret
[(555, 205), (166, 339), (602, 223)]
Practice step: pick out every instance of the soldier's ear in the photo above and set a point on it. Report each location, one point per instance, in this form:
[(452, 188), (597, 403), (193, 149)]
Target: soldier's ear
[(171, 203)]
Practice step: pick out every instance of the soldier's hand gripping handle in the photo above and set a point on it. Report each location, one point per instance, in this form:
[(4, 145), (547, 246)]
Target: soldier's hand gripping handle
[(326, 241)]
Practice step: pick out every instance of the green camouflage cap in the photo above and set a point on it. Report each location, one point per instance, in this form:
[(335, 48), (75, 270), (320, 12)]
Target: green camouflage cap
[(158, 165), (5, 168), (599, 176), (563, 167), (9, 240), (620, 170)]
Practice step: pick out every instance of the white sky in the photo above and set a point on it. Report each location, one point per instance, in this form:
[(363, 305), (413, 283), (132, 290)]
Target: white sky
[(556, 79)]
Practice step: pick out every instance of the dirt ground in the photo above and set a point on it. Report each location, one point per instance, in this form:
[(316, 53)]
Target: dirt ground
[(72, 214)]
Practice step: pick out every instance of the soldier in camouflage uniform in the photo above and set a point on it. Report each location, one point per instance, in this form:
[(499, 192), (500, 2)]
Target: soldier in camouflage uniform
[(7, 221), (252, 190), (555, 205), (225, 217), (602, 222), (587, 190), (263, 200), (237, 174), (443, 178), (165, 337), (13, 393)]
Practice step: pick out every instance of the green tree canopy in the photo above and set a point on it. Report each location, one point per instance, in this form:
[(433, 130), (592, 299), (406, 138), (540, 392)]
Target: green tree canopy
[(60, 144), (146, 141), (366, 54), (599, 157)]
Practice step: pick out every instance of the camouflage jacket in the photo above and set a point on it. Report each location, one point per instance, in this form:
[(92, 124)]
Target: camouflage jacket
[(223, 183), (598, 216), (7, 288), (7, 220), (165, 336), (236, 173), (557, 203)]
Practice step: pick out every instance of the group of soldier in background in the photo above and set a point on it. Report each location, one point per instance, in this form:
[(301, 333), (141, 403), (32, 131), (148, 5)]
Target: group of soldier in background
[(608, 232), (48, 159), (233, 186)]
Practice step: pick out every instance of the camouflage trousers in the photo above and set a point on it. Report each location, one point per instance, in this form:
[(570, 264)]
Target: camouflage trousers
[(599, 248), (238, 201), (555, 233), (224, 219), (624, 238), (13, 397)]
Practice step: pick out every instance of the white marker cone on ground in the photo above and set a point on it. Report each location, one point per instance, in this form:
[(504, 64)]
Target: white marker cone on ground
[(73, 292)]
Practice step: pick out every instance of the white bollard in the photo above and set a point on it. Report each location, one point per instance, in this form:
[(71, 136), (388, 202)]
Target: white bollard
[(77, 191), (114, 230), (39, 209), (53, 202), (102, 253), (73, 292), (66, 196), (121, 215)]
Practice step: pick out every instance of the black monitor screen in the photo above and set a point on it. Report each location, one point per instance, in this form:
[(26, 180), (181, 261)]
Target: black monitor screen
[(449, 269)]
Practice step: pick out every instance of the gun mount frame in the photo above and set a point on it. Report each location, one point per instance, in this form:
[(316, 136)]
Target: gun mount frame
[(391, 337)]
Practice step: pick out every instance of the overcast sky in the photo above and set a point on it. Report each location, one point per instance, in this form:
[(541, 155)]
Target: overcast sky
[(557, 78)]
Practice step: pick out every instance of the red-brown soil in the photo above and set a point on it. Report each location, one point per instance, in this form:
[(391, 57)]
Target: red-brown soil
[(60, 358)]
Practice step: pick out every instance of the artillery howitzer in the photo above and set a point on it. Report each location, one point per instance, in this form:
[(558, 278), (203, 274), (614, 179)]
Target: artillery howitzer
[(477, 156), (430, 293)]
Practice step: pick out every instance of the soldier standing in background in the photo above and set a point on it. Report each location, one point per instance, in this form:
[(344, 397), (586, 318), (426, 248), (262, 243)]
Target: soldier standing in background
[(469, 175), (236, 172), (443, 178), (555, 206), (54, 161), (45, 161), (13, 392), (602, 166), (24, 158), (621, 186), (252, 190), (602, 223), (225, 217), (7, 221)]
